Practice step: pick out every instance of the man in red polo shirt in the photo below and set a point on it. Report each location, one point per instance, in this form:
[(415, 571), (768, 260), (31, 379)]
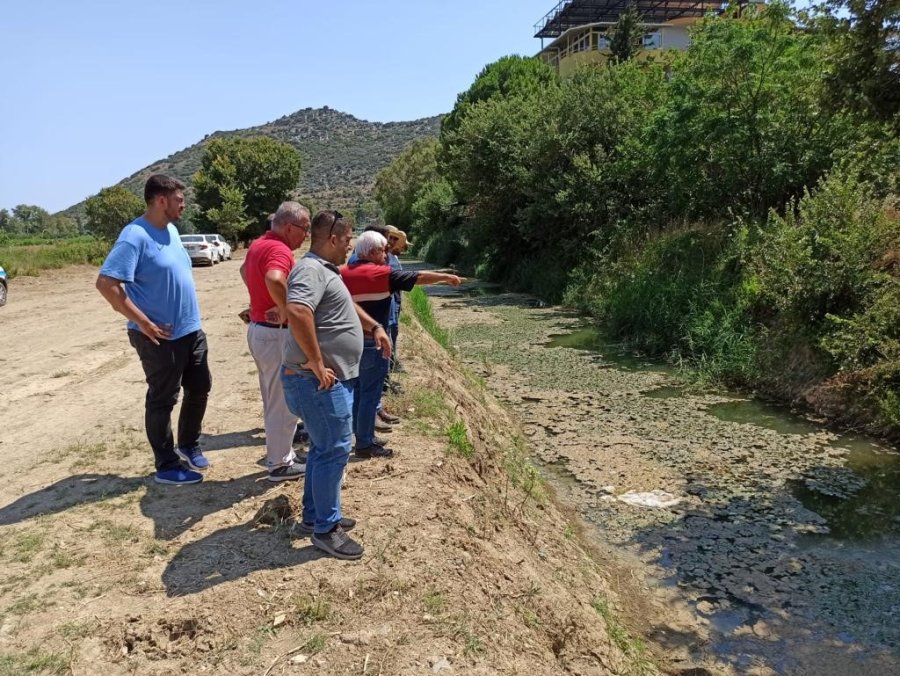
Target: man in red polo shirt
[(266, 267)]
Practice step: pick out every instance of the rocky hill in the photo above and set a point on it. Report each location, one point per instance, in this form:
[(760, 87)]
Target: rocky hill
[(341, 154)]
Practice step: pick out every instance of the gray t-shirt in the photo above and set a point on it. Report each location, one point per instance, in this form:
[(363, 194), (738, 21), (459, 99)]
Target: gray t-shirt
[(317, 284)]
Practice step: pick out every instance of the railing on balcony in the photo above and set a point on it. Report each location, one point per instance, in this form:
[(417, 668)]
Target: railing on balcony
[(573, 13)]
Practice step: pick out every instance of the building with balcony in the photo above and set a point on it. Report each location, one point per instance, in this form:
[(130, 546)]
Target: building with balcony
[(576, 32)]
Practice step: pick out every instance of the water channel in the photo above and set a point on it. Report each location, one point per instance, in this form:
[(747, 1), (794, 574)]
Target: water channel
[(782, 535)]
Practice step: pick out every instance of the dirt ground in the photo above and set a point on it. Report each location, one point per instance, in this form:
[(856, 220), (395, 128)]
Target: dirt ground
[(470, 565)]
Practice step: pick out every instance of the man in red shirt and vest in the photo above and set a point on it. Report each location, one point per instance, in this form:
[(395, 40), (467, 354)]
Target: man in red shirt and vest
[(372, 282), (266, 267)]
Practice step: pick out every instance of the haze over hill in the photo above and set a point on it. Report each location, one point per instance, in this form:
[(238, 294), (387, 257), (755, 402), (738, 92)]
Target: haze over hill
[(341, 154)]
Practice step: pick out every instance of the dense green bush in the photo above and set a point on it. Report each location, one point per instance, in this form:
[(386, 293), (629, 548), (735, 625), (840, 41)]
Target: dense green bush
[(683, 202)]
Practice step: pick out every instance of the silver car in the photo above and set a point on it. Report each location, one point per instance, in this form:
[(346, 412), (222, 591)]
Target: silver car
[(200, 250)]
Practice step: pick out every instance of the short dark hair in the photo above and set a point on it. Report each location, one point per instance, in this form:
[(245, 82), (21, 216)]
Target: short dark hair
[(328, 222), (380, 229), (160, 184)]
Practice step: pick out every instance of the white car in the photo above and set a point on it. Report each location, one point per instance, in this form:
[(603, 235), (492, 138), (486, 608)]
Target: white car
[(223, 247), (200, 250)]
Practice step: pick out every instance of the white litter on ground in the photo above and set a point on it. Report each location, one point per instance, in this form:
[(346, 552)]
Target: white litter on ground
[(655, 498)]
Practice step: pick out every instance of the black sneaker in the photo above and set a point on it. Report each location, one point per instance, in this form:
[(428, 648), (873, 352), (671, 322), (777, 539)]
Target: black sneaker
[(338, 544), (288, 472), (306, 529), (374, 451)]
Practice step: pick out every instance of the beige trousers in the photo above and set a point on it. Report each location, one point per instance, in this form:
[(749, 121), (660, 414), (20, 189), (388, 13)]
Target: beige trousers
[(267, 347)]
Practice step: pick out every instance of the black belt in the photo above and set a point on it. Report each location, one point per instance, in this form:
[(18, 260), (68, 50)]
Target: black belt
[(270, 325)]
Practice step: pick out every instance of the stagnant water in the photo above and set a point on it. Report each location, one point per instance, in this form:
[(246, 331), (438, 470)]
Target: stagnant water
[(785, 536)]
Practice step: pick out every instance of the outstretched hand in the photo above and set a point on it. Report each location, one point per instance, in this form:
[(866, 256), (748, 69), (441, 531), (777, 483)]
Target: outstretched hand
[(453, 280)]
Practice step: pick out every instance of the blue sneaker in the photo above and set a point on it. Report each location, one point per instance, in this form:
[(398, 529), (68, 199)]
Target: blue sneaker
[(193, 458), (177, 476)]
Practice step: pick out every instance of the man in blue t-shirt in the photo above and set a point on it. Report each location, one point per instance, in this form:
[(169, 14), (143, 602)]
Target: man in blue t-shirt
[(147, 277)]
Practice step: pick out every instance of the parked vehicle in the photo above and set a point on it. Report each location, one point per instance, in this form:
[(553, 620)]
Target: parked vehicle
[(4, 289), (200, 250), (223, 247)]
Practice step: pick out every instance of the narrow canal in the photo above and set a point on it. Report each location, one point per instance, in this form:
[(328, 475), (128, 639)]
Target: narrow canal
[(782, 537)]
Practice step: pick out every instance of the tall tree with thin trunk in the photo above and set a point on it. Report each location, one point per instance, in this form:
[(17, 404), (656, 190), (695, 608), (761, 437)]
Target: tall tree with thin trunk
[(625, 38)]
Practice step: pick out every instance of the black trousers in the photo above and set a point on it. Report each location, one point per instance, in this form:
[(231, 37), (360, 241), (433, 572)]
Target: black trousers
[(169, 367)]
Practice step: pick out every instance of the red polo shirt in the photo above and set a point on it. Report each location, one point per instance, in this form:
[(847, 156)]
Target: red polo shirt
[(269, 252)]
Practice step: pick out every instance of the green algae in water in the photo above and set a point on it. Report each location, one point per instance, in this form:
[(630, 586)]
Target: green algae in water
[(665, 392), (763, 414), (871, 511), (591, 339)]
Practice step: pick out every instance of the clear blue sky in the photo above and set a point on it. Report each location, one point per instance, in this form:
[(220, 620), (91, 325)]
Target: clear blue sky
[(94, 90)]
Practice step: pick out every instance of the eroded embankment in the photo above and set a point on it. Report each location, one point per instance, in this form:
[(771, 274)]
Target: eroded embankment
[(726, 532)]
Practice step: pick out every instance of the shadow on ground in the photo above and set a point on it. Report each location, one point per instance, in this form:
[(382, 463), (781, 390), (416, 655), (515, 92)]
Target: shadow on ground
[(70, 492), (233, 553)]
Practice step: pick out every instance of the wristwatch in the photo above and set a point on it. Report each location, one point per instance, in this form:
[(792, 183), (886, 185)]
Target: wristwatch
[(376, 327)]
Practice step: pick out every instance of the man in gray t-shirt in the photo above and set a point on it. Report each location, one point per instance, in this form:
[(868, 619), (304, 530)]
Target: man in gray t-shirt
[(315, 283), (321, 358)]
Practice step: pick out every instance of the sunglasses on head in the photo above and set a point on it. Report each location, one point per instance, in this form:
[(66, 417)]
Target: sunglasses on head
[(337, 216)]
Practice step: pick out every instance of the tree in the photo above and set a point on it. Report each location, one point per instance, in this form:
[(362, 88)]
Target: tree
[(243, 180), (397, 184), (625, 37), (29, 219), (509, 76), (110, 210), (230, 216), (862, 61), (744, 125)]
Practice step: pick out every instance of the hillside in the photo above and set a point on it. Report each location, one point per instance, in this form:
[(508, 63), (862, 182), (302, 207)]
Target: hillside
[(341, 154)]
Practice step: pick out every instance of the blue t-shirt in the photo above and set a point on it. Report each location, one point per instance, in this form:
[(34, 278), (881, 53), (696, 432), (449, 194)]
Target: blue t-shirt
[(157, 274)]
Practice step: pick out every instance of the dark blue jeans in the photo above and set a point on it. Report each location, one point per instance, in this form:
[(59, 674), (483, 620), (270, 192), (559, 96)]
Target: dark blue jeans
[(373, 369), (327, 415), (169, 367)]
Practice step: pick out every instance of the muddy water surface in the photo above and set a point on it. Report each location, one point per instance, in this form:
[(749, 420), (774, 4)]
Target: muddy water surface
[(782, 536)]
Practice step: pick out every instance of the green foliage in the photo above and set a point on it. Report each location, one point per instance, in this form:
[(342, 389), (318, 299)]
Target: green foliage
[(434, 210), (241, 181), (554, 163), (743, 127), (828, 269), (397, 185), (28, 219), (862, 58), (680, 294), (458, 439), (421, 308), (625, 37), (112, 209), (28, 256), (230, 217), (509, 76)]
